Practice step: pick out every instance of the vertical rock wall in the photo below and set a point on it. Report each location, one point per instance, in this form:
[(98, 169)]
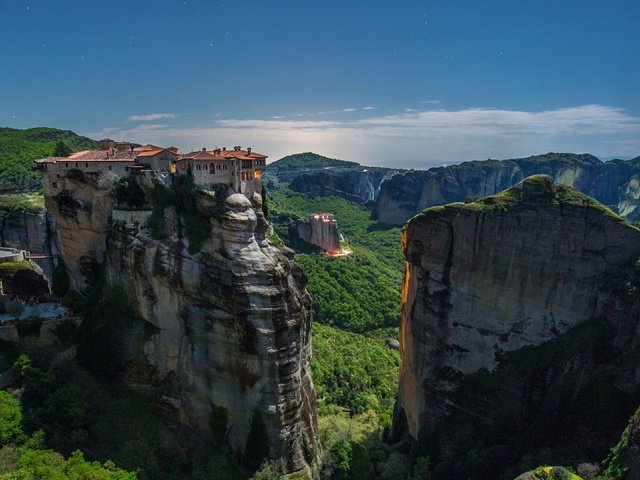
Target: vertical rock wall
[(321, 230), (489, 281), (231, 323)]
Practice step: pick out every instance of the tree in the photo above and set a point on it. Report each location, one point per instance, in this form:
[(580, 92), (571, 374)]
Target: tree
[(10, 418), (15, 308), (61, 150), (269, 470)]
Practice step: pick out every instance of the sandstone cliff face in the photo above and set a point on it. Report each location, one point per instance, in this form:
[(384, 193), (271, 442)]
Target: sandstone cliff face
[(231, 323), (613, 183), (32, 230), (358, 185), (320, 230), (513, 307), (82, 212)]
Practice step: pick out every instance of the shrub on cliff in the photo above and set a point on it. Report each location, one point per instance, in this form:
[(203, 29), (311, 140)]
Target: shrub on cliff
[(128, 193)]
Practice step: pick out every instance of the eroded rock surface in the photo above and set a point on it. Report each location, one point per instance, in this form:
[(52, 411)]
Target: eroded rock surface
[(513, 307), (320, 230), (32, 230), (229, 326), (615, 183)]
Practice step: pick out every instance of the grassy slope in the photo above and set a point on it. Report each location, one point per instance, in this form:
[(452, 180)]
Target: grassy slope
[(18, 149)]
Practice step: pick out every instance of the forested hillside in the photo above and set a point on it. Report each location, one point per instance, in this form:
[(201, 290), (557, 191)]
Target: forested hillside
[(359, 292), (18, 149)]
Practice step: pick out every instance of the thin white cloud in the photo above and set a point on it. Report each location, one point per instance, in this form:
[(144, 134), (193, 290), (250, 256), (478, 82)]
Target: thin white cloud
[(369, 108), (420, 138), (150, 117), (430, 102), (350, 109)]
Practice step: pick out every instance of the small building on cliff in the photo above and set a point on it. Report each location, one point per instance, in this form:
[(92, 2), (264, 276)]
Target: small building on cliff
[(241, 169), (321, 230)]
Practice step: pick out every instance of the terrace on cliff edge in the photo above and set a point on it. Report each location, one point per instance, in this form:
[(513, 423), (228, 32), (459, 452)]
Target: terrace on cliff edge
[(218, 319)]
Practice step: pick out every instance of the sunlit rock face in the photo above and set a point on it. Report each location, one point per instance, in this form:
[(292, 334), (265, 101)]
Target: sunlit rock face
[(320, 230), (614, 183), (497, 295), (228, 327)]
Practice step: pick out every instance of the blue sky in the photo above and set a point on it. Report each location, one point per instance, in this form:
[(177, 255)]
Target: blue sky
[(406, 83)]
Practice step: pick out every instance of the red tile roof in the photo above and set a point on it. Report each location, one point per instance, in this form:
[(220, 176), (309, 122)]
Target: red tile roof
[(151, 153), (102, 155), (200, 155), (147, 148)]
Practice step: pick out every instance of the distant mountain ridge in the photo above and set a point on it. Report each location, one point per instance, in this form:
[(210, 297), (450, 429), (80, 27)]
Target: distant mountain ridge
[(18, 149), (308, 160), (615, 183), (318, 175)]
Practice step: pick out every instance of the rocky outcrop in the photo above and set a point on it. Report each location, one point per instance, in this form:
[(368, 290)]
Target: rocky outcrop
[(227, 340), (357, 185), (320, 230), (514, 307), (615, 183), (29, 229), (22, 279)]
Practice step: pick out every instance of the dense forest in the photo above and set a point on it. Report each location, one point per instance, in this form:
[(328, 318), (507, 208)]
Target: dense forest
[(18, 149)]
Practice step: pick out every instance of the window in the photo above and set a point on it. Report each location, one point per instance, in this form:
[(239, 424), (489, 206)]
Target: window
[(76, 164), (212, 168), (109, 167), (225, 167), (66, 164), (86, 165), (54, 184)]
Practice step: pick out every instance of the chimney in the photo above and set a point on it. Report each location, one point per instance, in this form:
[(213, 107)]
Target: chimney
[(237, 148), (249, 150), (106, 144), (204, 149), (224, 149)]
